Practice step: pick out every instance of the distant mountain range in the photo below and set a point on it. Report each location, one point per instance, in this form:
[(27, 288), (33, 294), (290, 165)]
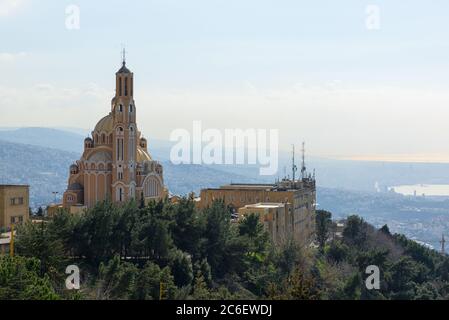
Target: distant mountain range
[(350, 175), (41, 158), (44, 169), (45, 137)]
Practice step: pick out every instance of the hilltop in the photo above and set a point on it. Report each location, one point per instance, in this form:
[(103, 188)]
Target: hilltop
[(46, 170)]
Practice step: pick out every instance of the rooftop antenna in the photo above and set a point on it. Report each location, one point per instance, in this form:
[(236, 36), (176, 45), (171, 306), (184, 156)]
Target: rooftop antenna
[(443, 243), (294, 167), (303, 166)]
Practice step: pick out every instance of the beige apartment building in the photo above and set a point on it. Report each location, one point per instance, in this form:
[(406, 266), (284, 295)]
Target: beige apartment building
[(14, 204), (274, 217), (297, 197)]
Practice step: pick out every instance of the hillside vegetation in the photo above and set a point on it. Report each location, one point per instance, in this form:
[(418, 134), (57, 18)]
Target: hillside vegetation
[(130, 252)]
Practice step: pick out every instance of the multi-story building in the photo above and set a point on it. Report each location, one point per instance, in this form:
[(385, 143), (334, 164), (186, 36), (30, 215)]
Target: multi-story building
[(298, 196), (274, 217), (14, 205), (115, 164)]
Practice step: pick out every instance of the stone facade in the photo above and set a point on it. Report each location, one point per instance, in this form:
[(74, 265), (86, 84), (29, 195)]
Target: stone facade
[(115, 164)]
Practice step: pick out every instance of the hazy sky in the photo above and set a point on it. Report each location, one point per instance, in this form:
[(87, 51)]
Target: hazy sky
[(311, 69)]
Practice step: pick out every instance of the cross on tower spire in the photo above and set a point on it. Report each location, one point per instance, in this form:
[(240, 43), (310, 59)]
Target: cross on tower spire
[(124, 56)]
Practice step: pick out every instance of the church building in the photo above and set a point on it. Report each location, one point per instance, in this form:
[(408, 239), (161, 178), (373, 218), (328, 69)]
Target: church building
[(115, 164)]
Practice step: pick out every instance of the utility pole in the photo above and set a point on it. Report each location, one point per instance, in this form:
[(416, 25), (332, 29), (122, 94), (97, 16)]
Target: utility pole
[(443, 243), (161, 291), (11, 243)]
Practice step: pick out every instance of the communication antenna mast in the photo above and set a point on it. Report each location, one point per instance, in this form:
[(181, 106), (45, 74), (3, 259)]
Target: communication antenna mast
[(303, 166), (294, 167), (443, 243)]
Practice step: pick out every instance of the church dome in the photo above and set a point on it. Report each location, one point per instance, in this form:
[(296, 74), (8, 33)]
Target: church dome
[(75, 187), (105, 125), (100, 156), (142, 155)]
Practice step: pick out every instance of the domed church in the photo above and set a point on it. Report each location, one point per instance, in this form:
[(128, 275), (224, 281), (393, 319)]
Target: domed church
[(115, 164)]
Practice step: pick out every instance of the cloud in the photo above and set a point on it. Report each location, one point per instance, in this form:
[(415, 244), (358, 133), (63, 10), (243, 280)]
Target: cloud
[(8, 7), (334, 118), (7, 57), (53, 105)]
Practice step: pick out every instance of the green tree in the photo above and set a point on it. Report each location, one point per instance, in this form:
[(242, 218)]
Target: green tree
[(288, 257), (188, 228), (181, 267), (352, 288), (385, 230), (168, 288), (21, 279), (355, 232), (251, 228), (147, 285), (40, 212), (337, 251), (323, 223), (217, 235), (200, 289), (116, 279), (37, 240), (95, 234)]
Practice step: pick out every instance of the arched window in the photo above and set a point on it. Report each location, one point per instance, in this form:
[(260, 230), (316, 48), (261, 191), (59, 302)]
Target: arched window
[(152, 188), (126, 87), (131, 108), (119, 144), (120, 108), (120, 86), (120, 194), (103, 138)]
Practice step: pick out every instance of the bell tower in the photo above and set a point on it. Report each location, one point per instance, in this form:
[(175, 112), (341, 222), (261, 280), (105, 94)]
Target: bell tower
[(124, 136)]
